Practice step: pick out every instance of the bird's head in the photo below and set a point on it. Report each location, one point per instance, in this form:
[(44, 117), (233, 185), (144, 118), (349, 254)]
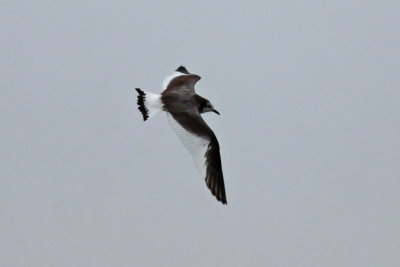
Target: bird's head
[(207, 107)]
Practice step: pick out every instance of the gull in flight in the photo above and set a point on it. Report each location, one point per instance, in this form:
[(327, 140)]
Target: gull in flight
[(183, 107)]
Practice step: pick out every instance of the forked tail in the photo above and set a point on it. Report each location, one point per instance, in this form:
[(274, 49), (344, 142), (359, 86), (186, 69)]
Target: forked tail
[(149, 104)]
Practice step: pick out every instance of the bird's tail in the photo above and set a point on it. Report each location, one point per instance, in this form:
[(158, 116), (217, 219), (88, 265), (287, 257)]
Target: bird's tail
[(148, 103)]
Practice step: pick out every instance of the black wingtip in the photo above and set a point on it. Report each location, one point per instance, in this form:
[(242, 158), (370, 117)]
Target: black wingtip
[(182, 69), (214, 177), (223, 201), (141, 106), (218, 194)]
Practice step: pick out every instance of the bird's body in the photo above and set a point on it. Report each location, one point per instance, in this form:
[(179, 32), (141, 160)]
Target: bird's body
[(183, 107)]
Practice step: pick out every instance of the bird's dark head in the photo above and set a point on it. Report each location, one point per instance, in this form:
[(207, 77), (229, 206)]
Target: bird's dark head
[(206, 106)]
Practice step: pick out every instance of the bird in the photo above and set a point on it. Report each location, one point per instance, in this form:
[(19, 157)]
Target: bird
[(184, 108)]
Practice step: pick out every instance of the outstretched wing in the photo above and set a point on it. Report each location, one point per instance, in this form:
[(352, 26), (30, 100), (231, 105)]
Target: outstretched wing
[(180, 81), (202, 143)]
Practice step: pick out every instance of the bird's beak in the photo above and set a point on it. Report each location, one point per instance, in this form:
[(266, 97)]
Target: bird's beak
[(216, 111)]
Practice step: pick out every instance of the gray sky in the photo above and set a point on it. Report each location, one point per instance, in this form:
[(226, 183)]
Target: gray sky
[(309, 131)]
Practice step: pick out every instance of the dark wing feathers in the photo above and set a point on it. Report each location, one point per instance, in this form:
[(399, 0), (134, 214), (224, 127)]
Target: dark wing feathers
[(193, 123), (214, 176), (183, 82), (182, 69)]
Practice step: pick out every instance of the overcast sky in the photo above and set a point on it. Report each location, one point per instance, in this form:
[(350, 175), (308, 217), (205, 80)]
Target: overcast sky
[(309, 132)]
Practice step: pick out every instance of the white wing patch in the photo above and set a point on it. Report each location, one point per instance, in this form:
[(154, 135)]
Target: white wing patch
[(196, 145)]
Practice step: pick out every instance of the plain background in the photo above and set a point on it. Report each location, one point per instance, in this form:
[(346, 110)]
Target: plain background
[(309, 131)]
